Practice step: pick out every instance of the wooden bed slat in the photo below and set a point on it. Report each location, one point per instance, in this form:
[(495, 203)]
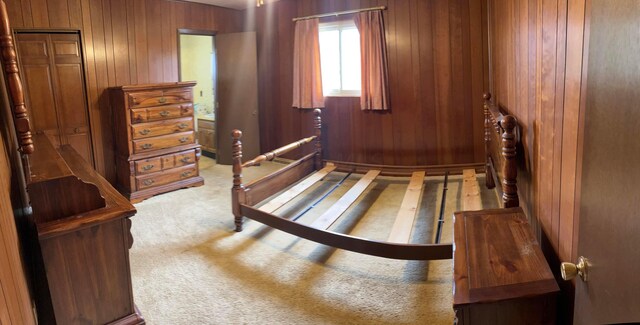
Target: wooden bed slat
[(291, 193), (338, 208), (401, 231), (471, 200)]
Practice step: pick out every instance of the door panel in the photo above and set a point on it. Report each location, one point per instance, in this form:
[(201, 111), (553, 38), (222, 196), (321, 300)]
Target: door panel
[(609, 225), (55, 88), (237, 94)]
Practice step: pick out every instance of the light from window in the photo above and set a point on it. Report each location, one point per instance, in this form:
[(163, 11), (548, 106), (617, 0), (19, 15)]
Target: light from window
[(340, 58)]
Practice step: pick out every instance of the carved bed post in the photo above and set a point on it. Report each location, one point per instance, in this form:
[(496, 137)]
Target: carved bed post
[(317, 124), (487, 138), (10, 61), (237, 191), (510, 187)]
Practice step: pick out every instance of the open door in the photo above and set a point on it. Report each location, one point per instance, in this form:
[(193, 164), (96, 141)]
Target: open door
[(608, 290), (237, 94)]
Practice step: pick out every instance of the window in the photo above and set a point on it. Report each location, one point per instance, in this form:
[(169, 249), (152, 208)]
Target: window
[(340, 58)]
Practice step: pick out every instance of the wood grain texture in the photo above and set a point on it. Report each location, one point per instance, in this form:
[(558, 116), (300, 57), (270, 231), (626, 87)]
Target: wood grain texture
[(500, 273), (402, 227), (124, 42), (337, 209), (536, 75), (471, 199), (435, 67), (15, 300)]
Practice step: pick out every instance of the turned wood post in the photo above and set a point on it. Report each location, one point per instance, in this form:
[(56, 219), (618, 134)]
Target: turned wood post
[(237, 191), (509, 182), (487, 139), (16, 94), (317, 124)]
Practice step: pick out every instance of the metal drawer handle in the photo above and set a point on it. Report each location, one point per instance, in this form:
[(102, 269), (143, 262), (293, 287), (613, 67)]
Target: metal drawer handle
[(185, 159), (162, 100), (147, 146), (183, 139), (165, 113), (147, 182), (185, 174), (145, 132), (182, 125), (147, 167)]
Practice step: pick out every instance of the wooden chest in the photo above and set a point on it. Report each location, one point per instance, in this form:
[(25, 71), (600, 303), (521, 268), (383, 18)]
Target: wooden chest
[(500, 273), (156, 148)]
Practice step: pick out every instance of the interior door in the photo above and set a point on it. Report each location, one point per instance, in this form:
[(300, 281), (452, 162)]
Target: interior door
[(237, 94), (55, 88), (609, 224)]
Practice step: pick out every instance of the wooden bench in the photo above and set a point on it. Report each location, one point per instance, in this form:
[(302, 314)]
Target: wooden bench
[(500, 274)]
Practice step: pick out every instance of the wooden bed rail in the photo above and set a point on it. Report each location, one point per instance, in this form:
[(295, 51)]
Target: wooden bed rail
[(277, 152)]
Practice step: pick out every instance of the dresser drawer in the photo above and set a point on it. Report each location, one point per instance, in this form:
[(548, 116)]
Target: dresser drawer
[(140, 115), (185, 158), (147, 166), (153, 129), (159, 97), (166, 177), (162, 142)]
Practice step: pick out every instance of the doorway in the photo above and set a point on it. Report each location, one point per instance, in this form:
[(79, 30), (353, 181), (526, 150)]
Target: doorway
[(198, 63)]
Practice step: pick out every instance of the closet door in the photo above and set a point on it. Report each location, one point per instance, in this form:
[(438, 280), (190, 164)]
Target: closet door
[(55, 88)]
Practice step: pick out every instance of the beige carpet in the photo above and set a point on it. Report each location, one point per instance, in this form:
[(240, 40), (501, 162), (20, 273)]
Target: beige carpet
[(189, 267)]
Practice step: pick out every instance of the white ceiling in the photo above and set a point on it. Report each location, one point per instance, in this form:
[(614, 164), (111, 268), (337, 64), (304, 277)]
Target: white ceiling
[(234, 4)]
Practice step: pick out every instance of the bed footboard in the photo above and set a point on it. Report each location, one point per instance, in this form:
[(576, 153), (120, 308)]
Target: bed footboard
[(264, 187)]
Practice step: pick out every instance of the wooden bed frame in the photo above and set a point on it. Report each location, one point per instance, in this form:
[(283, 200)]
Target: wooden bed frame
[(500, 141)]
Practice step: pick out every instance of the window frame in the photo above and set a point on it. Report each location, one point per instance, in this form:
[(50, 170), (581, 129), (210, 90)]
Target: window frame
[(340, 25)]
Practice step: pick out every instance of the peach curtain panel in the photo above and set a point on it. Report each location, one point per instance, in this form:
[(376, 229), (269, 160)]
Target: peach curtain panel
[(307, 78), (373, 61)]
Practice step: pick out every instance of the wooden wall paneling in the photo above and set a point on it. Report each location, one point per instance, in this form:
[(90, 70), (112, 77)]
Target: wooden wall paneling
[(131, 39), (75, 14), (14, 10), (140, 14), (27, 16), (120, 42), (575, 70), (154, 40), (403, 123), (476, 75), (421, 128), (40, 13), (537, 73), (58, 13), (442, 54)]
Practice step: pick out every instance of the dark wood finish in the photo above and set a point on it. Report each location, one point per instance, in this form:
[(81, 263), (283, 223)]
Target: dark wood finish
[(404, 170), (536, 75), (81, 231), (435, 79), (124, 42), (269, 156), (15, 300), (207, 135), (52, 66), (351, 243), (9, 59), (500, 273), (609, 205), (150, 155), (500, 142)]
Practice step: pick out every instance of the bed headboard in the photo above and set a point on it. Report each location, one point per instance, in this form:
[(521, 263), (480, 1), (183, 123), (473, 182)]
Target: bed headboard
[(501, 134)]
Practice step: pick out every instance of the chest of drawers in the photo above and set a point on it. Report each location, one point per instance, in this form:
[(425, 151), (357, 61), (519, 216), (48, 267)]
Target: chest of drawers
[(156, 148)]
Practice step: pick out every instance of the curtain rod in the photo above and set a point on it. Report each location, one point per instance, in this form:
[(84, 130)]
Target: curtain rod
[(338, 13)]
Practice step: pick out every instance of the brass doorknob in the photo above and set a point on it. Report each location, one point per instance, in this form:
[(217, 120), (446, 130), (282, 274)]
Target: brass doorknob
[(570, 270)]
